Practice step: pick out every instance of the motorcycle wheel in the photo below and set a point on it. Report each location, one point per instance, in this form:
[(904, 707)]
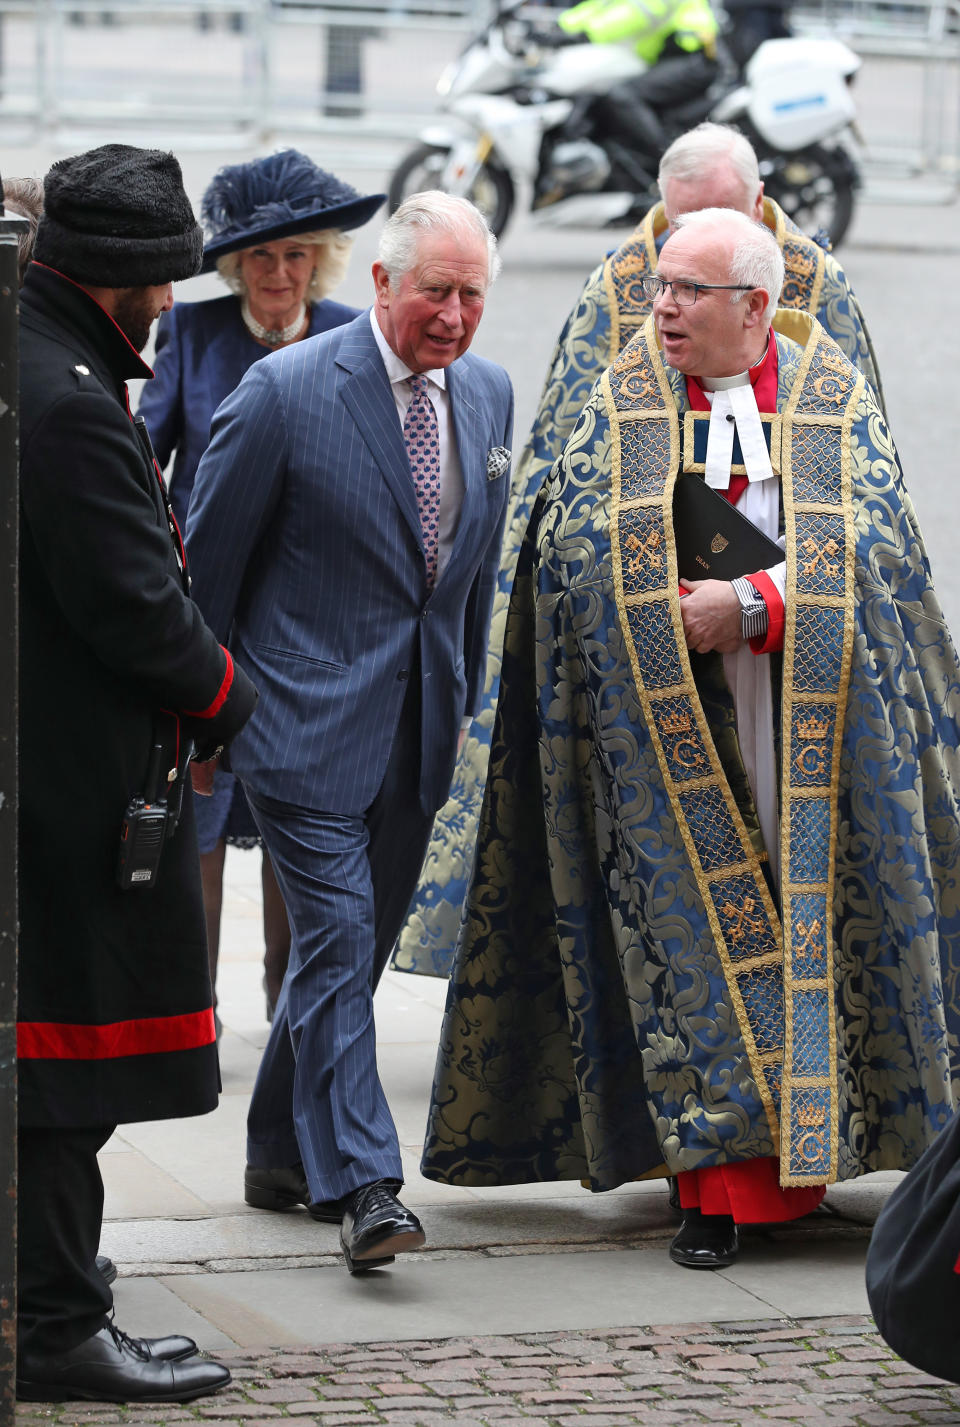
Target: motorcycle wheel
[(423, 167), (814, 187)]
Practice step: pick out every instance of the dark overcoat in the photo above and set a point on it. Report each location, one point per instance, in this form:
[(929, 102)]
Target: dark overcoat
[(913, 1264), (115, 1021)]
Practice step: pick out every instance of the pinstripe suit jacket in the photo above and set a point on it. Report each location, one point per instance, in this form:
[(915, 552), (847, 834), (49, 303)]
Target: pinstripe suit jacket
[(304, 539)]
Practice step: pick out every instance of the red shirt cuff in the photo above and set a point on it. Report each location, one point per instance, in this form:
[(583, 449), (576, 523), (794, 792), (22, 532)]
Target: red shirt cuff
[(772, 641)]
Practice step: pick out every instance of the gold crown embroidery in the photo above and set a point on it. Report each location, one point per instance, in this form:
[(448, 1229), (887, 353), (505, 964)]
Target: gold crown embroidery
[(675, 723)]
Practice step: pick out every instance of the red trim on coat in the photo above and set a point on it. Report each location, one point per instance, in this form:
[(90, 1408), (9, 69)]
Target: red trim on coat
[(221, 696), (174, 525), (147, 369), (153, 1035), (956, 1267)]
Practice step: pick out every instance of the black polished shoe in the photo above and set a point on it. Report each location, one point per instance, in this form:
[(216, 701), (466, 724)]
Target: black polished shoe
[(172, 1349), (705, 1241), (284, 1189), (106, 1268), (376, 1226), (112, 1367)]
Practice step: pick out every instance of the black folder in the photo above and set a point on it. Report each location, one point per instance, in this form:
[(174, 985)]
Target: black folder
[(714, 540)]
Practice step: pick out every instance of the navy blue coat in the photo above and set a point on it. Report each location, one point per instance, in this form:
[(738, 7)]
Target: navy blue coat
[(305, 538), (203, 350)]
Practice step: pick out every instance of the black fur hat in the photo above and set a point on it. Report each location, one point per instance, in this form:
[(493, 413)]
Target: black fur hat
[(118, 216), (276, 197)]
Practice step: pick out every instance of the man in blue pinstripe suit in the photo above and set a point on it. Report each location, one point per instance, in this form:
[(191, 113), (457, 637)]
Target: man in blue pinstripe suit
[(362, 615)]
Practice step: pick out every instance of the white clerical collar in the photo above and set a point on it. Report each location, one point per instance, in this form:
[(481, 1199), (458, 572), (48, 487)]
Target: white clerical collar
[(734, 408), (724, 383), (397, 370)]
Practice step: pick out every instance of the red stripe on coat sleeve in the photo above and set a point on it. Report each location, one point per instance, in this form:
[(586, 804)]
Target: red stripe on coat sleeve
[(221, 696), (154, 1035)]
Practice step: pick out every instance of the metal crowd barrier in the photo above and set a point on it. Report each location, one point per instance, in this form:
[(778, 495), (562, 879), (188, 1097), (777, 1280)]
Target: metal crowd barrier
[(908, 93), (209, 73), (209, 69)]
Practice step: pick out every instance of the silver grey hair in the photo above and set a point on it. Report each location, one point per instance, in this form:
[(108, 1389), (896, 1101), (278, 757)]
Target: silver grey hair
[(757, 260), (333, 254), (24, 196), (426, 213), (697, 152)]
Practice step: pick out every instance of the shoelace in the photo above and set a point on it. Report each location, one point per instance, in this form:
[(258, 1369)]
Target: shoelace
[(372, 1197), (123, 1340)]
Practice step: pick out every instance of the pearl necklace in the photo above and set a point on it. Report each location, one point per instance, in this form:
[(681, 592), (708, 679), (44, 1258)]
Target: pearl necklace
[(275, 336)]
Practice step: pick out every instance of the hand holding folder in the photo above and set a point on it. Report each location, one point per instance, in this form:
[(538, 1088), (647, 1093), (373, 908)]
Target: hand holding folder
[(714, 540)]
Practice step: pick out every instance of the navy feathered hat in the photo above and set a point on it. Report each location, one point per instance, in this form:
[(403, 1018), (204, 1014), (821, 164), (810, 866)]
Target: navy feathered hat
[(276, 197)]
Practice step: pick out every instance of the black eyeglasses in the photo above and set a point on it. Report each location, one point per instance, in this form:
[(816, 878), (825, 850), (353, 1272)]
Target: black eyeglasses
[(685, 293)]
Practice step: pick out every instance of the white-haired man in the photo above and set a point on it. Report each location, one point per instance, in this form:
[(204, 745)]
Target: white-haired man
[(347, 520), (713, 931), (711, 166)]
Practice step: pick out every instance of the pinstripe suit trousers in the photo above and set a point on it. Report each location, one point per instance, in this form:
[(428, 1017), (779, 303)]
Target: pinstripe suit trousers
[(347, 882)]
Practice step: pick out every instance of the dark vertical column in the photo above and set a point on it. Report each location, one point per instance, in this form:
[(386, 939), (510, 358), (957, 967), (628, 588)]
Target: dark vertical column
[(9, 527), (343, 71)]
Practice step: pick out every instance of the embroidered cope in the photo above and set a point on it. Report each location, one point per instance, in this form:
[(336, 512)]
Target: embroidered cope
[(630, 997)]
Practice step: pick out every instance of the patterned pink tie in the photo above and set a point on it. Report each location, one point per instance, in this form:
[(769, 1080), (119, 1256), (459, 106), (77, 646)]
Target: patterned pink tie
[(422, 437)]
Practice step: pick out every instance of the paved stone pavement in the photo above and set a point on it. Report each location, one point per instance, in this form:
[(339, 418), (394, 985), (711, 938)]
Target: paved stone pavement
[(834, 1371)]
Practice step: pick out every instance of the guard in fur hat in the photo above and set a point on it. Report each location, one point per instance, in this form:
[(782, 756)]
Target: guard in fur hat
[(278, 235), (120, 680)]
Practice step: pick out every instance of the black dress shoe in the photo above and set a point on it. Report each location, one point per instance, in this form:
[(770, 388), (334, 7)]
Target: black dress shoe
[(172, 1349), (376, 1226), (285, 1188), (112, 1367), (705, 1240), (106, 1268)]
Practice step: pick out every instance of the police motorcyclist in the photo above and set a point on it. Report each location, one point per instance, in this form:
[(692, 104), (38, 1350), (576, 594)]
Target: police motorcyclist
[(676, 39)]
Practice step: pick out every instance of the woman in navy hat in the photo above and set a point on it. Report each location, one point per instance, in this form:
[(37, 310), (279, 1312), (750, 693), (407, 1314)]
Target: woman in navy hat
[(277, 234)]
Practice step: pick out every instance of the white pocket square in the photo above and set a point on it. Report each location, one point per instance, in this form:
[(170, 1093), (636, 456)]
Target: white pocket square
[(498, 460)]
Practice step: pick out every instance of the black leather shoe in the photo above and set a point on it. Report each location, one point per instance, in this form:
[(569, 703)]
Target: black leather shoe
[(285, 1188), (172, 1349), (106, 1268), (705, 1241), (112, 1367), (376, 1226)]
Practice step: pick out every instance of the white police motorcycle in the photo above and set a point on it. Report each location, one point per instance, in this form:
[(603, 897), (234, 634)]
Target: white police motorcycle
[(523, 121)]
